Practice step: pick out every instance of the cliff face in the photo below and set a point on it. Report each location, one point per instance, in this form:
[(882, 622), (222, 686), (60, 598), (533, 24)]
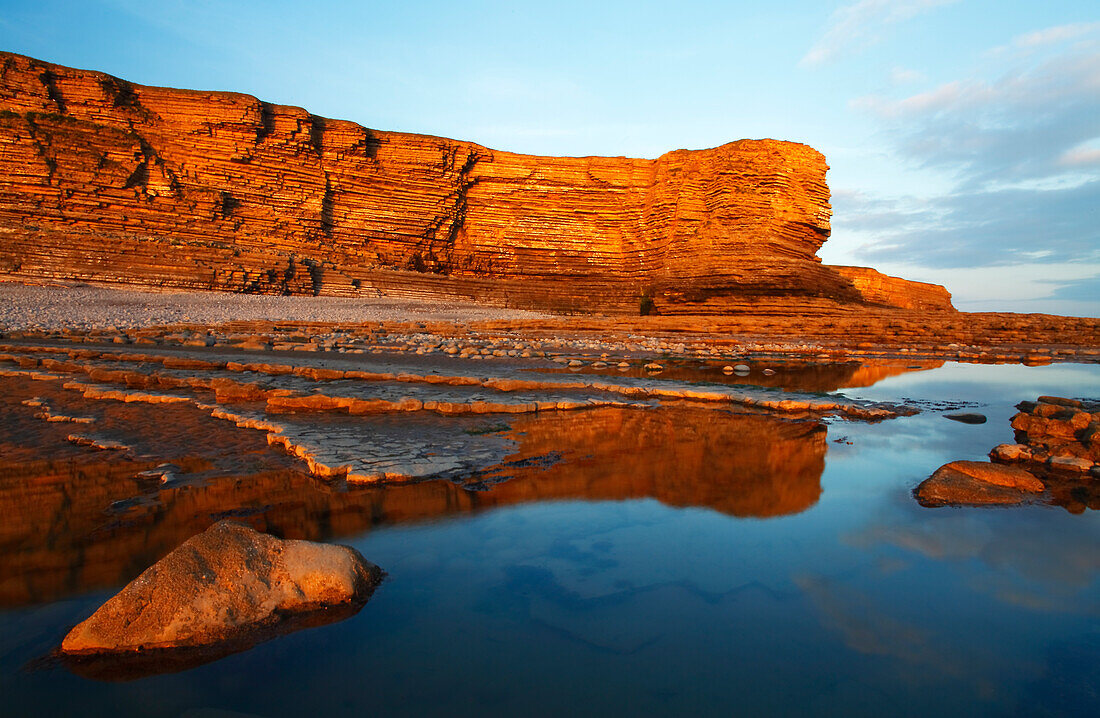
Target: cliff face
[(104, 180), (878, 288)]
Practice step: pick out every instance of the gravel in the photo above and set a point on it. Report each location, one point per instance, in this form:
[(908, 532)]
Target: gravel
[(80, 306)]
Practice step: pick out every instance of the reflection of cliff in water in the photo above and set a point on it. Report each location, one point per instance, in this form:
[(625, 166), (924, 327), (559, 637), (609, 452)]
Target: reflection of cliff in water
[(739, 464), (788, 376), (77, 519)]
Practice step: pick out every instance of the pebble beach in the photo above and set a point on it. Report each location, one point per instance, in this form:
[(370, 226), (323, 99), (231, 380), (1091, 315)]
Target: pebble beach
[(51, 307)]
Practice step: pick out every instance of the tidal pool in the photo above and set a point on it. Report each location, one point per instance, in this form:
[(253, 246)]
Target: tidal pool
[(645, 561)]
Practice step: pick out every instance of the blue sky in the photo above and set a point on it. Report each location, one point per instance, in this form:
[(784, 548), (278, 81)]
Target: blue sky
[(963, 135)]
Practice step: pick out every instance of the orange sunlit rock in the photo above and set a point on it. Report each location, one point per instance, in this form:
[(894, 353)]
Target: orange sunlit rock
[(105, 180)]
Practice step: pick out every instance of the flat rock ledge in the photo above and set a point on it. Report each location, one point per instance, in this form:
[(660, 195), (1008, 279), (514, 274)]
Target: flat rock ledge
[(220, 592), (978, 483)]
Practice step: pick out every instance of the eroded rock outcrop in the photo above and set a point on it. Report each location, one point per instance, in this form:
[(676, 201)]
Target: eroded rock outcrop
[(226, 585), (1057, 454), (1057, 433), (105, 180)]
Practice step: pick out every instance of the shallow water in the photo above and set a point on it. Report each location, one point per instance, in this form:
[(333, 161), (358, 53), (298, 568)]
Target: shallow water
[(663, 561)]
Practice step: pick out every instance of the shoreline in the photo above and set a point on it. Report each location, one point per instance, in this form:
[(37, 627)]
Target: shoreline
[(55, 306), (81, 313)]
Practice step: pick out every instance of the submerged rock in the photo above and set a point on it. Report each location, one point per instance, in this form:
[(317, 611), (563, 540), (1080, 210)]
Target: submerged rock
[(228, 585), (967, 418), (978, 483)]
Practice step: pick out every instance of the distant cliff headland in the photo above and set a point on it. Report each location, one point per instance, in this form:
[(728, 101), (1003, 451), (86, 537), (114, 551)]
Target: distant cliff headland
[(106, 181)]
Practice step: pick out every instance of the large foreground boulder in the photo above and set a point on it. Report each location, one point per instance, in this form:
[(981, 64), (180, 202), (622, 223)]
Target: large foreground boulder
[(231, 586), (977, 483)]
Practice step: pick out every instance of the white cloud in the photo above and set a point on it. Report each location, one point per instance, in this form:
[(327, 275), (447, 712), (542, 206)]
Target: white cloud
[(1086, 153), (1058, 34), (904, 76), (1037, 40), (859, 25), (974, 228), (1038, 120), (1018, 225)]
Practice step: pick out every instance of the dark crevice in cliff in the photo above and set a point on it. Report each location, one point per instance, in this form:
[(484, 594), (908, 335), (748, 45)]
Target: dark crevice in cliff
[(120, 92), (267, 121), (465, 184), (49, 81), (138, 178), (317, 133), (369, 144), (226, 205), (447, 162), (327, 203), (328, 200), (824, 234), (316, 274), (435, 251), (150, 158), (286, 280), (41, 145)]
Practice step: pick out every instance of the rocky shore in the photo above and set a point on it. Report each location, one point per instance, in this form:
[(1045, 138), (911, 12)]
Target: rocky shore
[(83, 313), (1056, 458)]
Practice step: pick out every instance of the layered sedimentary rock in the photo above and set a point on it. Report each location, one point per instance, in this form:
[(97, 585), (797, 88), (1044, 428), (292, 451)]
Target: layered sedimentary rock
[(104, 180), (879, 288)]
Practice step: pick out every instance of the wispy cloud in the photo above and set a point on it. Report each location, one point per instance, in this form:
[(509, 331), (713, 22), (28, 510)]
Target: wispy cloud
[(1039, 39), (1023, 149), (1019, 126), (866, 628), (859, 25), (1081, 290), (979, 228), (1061, 33), (905, 76), (1086, 153)]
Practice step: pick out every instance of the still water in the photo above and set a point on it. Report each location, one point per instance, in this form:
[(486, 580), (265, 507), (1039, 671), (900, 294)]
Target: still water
[(666, 562)]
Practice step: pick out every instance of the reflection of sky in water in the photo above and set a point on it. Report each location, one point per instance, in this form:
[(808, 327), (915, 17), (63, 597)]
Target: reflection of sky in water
[(864, 604), (1009, 383)]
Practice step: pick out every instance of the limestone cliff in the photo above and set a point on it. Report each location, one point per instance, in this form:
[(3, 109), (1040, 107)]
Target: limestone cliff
[(104, 180)]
